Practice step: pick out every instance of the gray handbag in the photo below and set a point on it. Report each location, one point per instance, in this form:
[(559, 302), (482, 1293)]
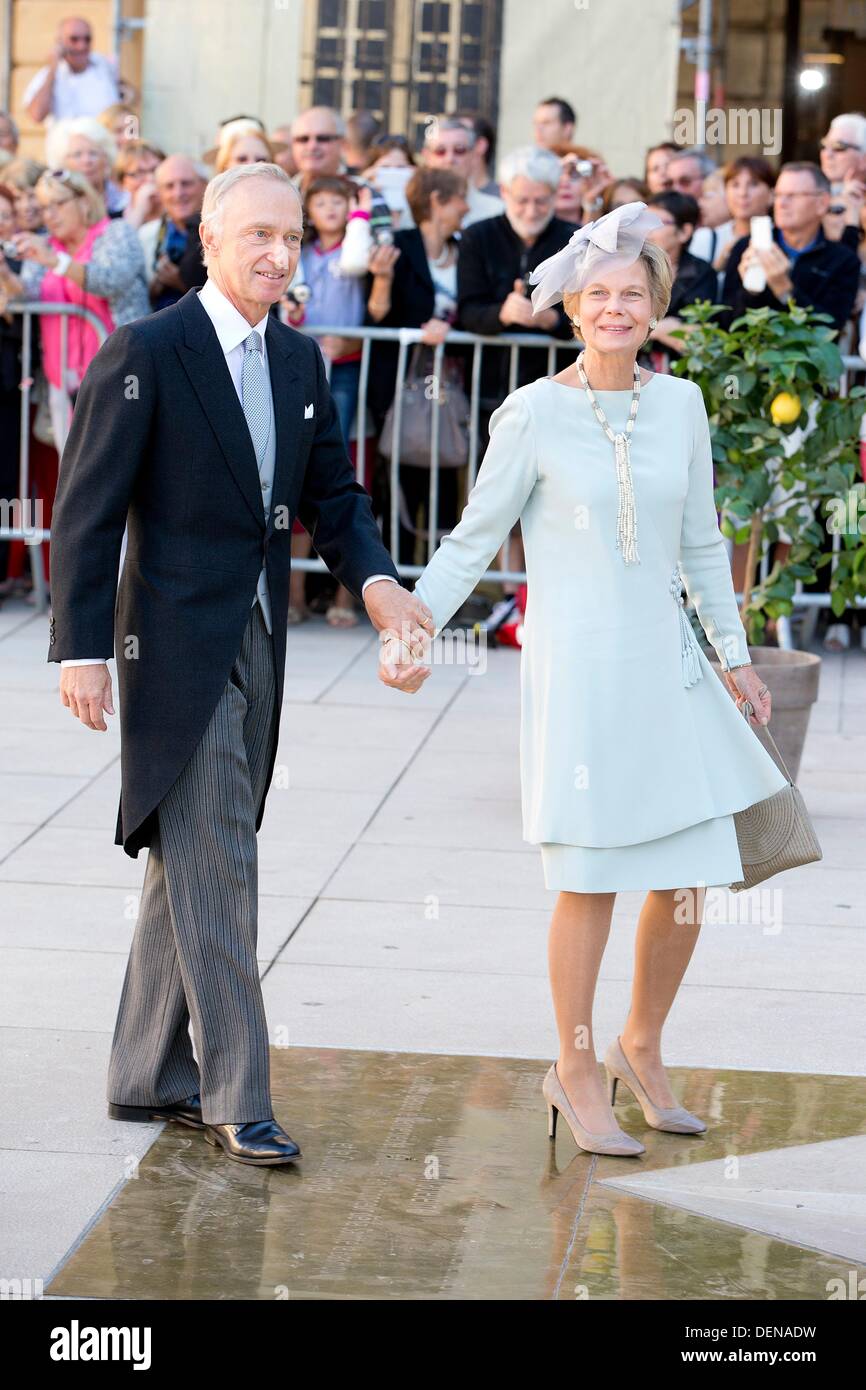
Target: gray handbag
[(774, 834), (416, 424)]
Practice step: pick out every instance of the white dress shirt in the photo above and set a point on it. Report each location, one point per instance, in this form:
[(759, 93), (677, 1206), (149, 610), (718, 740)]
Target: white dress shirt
[(232, 330), (84, 93)]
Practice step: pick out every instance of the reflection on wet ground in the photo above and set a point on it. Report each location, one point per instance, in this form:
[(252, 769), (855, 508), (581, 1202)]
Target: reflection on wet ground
[(432, 1177)]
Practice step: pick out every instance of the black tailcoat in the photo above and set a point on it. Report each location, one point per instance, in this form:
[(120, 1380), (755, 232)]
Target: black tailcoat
[(159, 444)]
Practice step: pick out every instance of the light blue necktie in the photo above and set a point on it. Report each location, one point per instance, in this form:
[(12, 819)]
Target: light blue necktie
[(254, 394), (255, 397)]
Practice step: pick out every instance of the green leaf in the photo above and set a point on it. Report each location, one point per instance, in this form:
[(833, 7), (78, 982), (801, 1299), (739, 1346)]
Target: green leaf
[(838, 602)]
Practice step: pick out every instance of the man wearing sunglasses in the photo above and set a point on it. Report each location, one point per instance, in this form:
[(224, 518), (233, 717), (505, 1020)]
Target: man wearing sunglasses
[(450, 144), (318, 147)]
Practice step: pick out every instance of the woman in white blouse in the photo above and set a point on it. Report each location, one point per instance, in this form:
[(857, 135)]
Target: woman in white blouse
[(633, 754)]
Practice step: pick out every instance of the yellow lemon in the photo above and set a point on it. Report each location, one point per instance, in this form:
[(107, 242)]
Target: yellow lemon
[(785, 408)]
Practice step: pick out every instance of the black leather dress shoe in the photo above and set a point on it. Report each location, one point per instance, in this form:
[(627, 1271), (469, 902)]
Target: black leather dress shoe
[(261, 1142), (185, 1112)]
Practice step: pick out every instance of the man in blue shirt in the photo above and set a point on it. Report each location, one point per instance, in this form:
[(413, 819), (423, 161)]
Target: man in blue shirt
[(802, 264)]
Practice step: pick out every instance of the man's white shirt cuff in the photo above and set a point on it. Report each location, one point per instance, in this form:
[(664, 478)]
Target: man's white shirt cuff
[(373, 578)]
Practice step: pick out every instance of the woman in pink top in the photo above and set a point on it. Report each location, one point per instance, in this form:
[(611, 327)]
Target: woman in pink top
[(86, 259)]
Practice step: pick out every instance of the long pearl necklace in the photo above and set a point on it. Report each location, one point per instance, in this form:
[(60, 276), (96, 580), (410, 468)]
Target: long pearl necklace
[(626, 526)]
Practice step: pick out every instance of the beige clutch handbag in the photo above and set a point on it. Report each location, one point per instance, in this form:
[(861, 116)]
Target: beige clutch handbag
[(774, 834)]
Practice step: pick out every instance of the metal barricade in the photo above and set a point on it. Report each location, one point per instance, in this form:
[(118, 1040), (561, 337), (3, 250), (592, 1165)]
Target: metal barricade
[(26, 505), (406, 338)]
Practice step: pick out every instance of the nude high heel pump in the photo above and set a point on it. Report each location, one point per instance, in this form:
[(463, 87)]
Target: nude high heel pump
[(617, 1142), (673, 1118)]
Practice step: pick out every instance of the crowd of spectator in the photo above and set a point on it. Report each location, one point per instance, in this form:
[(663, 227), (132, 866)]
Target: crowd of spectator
[(395, 237)]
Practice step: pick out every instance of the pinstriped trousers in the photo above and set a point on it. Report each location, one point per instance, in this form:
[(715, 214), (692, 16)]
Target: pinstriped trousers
[(193, 955)]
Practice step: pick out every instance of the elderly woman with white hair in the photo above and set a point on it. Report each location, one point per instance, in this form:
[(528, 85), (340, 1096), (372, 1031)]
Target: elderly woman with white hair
[(84, 144), (633, 754)]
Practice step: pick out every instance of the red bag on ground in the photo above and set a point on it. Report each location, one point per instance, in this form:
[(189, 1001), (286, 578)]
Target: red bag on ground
[(510, 634)]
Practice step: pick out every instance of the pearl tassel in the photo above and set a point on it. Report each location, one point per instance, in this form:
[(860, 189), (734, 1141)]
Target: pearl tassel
[(626, 526)]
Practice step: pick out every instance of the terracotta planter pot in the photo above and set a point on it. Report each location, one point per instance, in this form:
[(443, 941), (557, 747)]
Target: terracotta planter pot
[(792, 678)]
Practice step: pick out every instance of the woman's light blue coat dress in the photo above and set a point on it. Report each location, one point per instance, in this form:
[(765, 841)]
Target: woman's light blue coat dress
[(633, 755)]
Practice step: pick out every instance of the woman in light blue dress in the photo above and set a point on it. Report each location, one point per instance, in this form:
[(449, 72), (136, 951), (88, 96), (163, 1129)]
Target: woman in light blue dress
[(633, 754)]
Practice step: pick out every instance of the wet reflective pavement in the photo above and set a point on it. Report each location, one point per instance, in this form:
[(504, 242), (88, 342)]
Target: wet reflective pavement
[(428, 1176)]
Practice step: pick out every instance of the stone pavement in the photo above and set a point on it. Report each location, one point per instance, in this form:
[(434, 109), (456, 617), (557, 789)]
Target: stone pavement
[(401, 914)]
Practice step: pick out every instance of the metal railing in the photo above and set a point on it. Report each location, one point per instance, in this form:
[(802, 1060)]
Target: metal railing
[(34, 536), (404, 339)]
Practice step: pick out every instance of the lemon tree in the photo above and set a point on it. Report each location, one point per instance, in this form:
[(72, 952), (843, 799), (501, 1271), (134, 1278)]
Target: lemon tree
[(771, 386)]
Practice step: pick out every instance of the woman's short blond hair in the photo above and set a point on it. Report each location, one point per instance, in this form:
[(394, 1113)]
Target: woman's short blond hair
[(60, 185), (229, 135), (659, 277)]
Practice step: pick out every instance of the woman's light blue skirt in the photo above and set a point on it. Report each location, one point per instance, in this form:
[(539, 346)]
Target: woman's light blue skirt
[(699, 855)]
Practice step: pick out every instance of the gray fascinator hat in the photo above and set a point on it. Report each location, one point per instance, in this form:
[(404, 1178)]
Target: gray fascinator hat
[(601, 246)]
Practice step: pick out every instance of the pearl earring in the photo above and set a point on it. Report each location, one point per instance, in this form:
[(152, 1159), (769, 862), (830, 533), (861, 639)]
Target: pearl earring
[(576, 322), (653, 322)]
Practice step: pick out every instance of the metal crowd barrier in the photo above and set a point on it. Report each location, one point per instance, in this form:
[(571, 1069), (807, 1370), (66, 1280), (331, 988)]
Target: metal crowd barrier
[(34, 536), (405, 338)]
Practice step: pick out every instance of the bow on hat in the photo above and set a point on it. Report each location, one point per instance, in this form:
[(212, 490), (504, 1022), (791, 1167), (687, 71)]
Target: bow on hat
[(606, 244)]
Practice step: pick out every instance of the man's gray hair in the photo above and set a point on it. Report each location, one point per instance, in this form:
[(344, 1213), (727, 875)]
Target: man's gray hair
[(219, 188), (435, 127), (706, 163), (531, 162), (808, 166), (199, 168), (339, 123), (855, 123)]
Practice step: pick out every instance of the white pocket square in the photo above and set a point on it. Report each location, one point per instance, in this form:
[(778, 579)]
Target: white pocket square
[(308, 412)]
